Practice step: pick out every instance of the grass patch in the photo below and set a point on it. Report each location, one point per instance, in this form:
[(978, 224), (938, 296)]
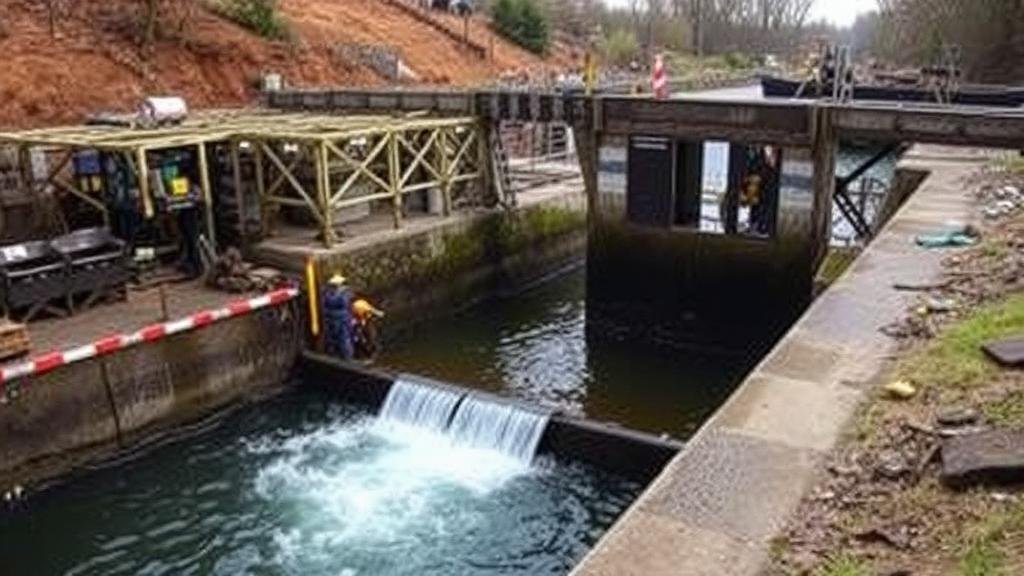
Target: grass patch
[(844, 565), (1010, 163), (778, 547), (836, 262), (982, 558), (1008, 412), (259, 16), (985, 551), (954, 358)]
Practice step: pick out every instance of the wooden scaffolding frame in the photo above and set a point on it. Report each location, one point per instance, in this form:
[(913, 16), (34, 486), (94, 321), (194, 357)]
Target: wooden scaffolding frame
[(353, 159)]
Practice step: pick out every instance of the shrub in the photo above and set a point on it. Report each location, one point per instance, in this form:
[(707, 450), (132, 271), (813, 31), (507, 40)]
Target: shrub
[(522, 22), (260, 16), (621, 47), (738, 61)]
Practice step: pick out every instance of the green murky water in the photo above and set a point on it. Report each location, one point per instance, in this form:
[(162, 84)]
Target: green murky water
[(534, 347)]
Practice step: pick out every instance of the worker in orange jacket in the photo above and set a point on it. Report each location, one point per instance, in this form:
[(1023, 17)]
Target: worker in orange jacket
[(365, 335)]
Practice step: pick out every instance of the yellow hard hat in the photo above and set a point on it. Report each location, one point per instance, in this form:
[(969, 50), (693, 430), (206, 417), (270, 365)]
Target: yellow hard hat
[(337, 280)]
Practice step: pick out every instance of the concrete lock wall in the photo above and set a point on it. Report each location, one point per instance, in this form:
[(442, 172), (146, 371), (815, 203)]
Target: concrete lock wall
[(430, 273), (415, 274), (693, 288), (90, 409)]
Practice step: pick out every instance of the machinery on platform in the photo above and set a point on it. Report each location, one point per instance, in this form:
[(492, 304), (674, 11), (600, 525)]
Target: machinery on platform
[(97, 265), (33, 277), (84, 265)]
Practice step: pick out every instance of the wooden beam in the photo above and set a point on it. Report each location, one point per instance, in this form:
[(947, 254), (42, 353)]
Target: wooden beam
[(419, 156), (394, 176), (83, 196), (261, 189), (786, 123), (236, 178), (446, 171), (204, 184), (142, 173), (360, 167), (323, 185), (823, 154), (296, 185)]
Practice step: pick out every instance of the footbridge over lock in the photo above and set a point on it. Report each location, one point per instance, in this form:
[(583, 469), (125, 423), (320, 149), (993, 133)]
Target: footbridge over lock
[(680, 251)]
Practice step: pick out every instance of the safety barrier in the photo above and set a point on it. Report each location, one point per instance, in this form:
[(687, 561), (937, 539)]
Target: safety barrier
[(152, 333)]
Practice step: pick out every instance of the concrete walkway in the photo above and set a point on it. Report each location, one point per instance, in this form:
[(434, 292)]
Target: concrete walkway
[(716, 506), (141, 308)]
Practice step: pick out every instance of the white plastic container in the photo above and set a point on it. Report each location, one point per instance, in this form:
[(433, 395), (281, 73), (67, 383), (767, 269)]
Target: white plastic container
[(164, 109)]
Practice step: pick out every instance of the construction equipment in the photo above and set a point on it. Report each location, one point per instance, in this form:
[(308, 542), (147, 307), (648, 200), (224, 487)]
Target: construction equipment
[(33, 278), (97, 265)]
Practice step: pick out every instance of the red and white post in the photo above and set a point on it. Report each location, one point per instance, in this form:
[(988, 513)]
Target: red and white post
[(659, 78)]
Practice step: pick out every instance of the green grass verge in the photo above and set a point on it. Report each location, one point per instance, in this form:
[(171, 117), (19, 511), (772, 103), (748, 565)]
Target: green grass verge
[(1008, 412), (985, 550), (836, 262), (955, 359), (1012, 163)]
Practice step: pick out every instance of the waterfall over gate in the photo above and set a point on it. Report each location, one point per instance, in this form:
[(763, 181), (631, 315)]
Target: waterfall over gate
[(467, 419), (420, 404), (509, 429)]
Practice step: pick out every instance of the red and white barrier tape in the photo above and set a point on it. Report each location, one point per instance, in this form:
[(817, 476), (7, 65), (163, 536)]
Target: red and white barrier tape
[(47, 362)]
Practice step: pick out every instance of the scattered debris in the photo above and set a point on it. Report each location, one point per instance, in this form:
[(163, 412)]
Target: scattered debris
[(1001, 201), (14, 340), (990, 457), (954, 237), (940, 305), (232, 274), (898, 539), (958, 417), (891, 465), (921, 286), (901, 390), (1009, 352)]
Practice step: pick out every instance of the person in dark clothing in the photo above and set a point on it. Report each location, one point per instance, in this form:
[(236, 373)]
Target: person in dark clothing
[(338, 321), (122, 199), (189, 228)]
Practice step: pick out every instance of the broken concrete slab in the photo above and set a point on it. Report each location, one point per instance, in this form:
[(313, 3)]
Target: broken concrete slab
[(990, 457), (1009, 352), (957, 417)]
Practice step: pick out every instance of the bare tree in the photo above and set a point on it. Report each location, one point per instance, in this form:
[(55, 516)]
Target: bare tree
[(54, 9), (989, 32), (151, 15)]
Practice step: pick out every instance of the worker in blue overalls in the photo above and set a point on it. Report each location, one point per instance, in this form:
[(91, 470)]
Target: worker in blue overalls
[(338, 321)]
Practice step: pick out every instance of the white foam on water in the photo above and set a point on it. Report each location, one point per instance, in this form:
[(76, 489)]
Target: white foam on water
[(372, 484)]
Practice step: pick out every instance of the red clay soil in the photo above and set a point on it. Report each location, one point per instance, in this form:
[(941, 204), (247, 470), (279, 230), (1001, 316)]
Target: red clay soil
[(435, 57), (94, 63)]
